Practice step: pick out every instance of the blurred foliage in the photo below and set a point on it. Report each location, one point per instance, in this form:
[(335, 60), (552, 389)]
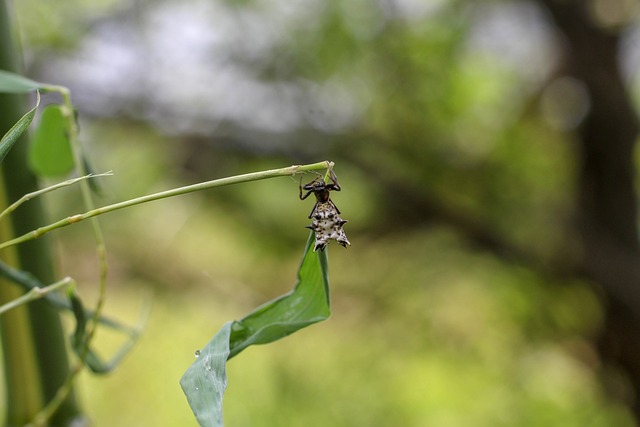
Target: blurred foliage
[(428, 327), (58, 25)]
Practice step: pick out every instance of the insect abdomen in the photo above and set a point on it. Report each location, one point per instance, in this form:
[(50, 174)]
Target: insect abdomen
[(327, 225)]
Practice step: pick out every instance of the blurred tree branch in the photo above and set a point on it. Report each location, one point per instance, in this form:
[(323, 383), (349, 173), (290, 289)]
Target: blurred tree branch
[(605, 217), (607, 211), (420, 206)]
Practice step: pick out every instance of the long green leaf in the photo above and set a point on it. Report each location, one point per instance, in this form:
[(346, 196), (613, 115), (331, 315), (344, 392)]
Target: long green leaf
[(15, 83), (10, 138), (205, 380)]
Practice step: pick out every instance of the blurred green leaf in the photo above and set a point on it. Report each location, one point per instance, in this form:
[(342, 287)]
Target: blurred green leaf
[(28, 281), (81, 321), (205, 380), (74, 304), (79, 340), (17, 130), (51, 152), (15, 83)]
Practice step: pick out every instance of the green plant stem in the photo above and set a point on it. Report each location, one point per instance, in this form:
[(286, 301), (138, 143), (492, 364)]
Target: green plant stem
[(72, 129), (35, 293), (87, 197), (254, 176), (37, 193), (41, 418), (33, 341)]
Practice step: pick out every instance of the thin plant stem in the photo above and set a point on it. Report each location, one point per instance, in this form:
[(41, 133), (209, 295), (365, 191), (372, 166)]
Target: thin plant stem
[(254, 176), (76, 149), (41, 418), (36, 293), (87, 197), (51, 407), (37, 193)]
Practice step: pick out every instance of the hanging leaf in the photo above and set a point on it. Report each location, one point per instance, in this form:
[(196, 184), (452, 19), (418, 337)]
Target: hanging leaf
[(205, 380), (306, 304), (50, 153), (17, 130), (15, 83)]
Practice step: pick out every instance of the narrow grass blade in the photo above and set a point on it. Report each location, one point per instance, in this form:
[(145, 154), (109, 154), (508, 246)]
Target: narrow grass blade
[(15, 83), (205, 380), (29, 196), (11, 137), (33, 294)]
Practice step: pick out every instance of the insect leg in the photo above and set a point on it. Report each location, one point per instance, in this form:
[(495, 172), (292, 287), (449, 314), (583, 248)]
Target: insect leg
[(334, 206), (305, 187), (313, 210), (334, 179)]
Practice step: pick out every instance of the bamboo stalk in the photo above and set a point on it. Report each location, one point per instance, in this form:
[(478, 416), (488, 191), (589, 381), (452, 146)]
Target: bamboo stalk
[(33, 342)]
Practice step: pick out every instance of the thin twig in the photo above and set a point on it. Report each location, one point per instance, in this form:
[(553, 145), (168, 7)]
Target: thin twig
[(37, 193), (101, 251), (47, 412), (255, 176), (36, 293)]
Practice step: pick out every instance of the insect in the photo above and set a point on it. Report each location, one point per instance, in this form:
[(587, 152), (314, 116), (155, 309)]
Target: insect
[(327, 223)]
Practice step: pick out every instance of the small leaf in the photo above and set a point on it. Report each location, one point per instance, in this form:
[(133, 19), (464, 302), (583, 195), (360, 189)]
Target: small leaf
[(15, 83), (51, 152), (17, 130), (205, 381)]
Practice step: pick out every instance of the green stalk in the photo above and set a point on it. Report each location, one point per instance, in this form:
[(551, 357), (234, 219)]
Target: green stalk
[(54, 187), (254, 176), (33, 342), (34, 294), (101, 251)]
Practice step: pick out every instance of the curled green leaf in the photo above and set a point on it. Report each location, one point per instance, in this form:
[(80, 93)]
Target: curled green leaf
[(205, 381)]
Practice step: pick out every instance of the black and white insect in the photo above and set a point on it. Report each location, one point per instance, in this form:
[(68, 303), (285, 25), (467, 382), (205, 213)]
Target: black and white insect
[(327, 223)]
